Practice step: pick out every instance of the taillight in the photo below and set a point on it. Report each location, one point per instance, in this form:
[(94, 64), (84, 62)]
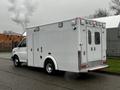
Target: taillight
[(83, 66), (104, 62)]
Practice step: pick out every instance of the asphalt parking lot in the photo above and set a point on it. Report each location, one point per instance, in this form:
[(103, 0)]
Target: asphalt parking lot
[(28, 78)]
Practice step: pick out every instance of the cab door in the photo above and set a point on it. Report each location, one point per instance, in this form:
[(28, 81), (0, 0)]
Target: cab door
[(22, 50)]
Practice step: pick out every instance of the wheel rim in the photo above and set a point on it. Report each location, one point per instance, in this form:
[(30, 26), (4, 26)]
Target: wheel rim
[(16, 62), (49, 68)]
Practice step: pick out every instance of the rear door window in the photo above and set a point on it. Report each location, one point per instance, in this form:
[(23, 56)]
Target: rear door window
[(97, 38), (89, 37)]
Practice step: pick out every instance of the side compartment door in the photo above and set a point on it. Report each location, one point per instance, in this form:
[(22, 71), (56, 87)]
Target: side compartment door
[(36, 50), (30, 47), (83, 37)]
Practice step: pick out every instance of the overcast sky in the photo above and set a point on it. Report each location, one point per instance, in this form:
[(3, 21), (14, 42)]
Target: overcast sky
[(49, 11)]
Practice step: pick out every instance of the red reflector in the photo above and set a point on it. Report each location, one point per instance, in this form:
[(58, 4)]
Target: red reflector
[(104, 62), (83, 66)]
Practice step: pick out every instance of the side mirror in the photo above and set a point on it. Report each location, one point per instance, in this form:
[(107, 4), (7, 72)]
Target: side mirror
[(15, 45)]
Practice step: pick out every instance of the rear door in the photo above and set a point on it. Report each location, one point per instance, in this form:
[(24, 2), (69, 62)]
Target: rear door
[(94, 46), (97, 44)]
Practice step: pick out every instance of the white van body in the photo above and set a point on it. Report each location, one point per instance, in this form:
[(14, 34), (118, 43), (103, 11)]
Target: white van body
[(76, 45)]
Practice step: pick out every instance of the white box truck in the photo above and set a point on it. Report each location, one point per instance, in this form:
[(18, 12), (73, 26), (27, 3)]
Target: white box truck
[(76, 45)]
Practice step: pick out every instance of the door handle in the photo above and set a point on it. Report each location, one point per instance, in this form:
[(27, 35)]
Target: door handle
[(94, 48), (37, 49), (84, 53), (31, 49), (41, 49), (91, 48)]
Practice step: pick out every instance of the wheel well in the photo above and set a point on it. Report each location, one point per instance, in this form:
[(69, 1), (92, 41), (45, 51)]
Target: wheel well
[(15, 56), (48, 60)]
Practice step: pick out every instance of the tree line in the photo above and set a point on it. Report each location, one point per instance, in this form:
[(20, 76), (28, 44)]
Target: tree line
[(114, 7)]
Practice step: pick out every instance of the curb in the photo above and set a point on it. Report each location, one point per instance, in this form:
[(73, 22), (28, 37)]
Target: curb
[(106, 72)]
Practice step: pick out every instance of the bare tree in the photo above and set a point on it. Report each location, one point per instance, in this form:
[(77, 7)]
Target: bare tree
[(115, 6), (21, 11), (100, 13)]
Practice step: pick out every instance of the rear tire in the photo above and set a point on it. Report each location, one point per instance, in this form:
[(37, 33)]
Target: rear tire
[(50, 67), (16, 62)]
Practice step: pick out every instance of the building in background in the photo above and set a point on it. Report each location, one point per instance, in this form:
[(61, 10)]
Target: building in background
[(113, 34), (9, 41)]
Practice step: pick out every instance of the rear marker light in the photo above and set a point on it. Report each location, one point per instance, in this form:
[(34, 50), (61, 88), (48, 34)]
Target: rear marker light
[(87, 22), (104, 62), (97, 23), (90, 23), (83, 66), (103, 25), (94, 24), (74, 22), (82, 21), (100, 24), (60, 24)]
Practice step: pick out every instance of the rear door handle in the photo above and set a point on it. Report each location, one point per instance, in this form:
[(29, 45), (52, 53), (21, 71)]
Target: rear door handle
[(91, 48), (84, 53), (94, 48), (41, 49)]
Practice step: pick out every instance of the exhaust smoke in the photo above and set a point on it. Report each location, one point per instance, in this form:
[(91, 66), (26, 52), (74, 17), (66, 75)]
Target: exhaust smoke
[(21, 11)]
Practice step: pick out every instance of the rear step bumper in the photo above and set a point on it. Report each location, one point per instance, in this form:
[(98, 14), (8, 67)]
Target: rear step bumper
[(94, 68), (97, 67)]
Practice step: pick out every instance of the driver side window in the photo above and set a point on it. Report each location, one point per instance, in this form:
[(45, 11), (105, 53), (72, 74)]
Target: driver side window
[(22, 44)]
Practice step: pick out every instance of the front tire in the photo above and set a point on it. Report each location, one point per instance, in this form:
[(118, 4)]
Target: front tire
[(50, 68), (16, 62)]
